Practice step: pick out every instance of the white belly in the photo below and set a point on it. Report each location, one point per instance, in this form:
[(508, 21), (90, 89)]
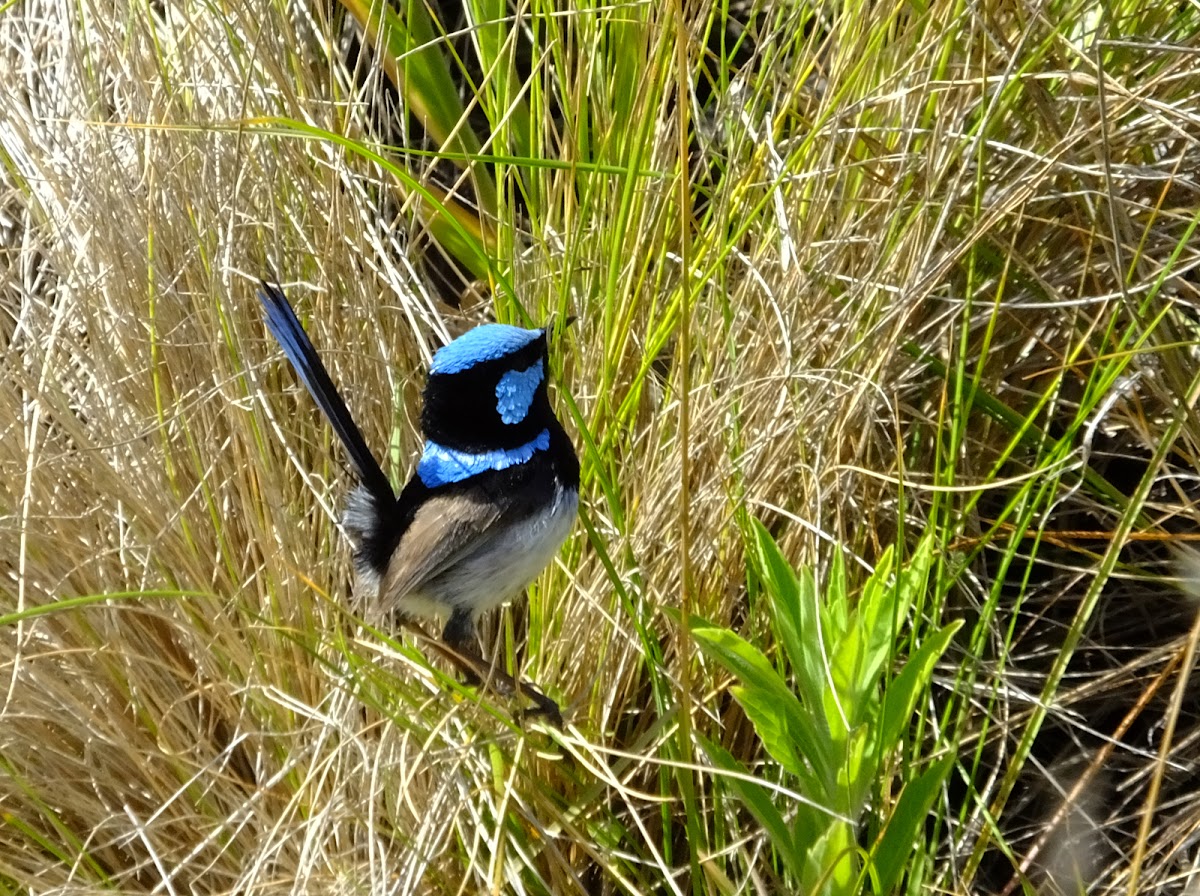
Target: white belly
[(501, 568)]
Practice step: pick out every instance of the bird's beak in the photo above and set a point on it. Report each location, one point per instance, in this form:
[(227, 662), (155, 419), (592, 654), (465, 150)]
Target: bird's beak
[(557, 324)]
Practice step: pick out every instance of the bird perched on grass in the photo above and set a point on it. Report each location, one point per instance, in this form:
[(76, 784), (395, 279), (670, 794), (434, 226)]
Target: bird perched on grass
[(493, 496)]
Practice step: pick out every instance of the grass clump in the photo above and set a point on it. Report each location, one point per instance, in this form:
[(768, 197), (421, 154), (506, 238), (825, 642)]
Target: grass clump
[(866, 290)]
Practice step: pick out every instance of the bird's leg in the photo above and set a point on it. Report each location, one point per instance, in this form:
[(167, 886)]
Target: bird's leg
[(459, 636)]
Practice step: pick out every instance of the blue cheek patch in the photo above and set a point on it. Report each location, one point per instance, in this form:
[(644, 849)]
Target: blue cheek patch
[(515, 391), (486, 343), (441, 466)]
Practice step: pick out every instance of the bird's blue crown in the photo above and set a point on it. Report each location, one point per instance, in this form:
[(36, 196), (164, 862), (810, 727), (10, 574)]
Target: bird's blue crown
[(489, 342)]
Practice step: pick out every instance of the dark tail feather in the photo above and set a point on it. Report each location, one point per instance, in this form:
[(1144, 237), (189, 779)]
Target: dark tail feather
[(285, 327)]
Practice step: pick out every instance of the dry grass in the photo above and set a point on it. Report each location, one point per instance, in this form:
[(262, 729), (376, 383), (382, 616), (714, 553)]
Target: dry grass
[(910, 224)]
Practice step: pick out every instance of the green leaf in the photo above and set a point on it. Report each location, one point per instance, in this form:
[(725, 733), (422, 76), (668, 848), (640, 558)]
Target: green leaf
[(883, 611), (899, 701), (847, 693), (784, 727), (795, 610), (894, 849), (914, 578), (861, 659), (859, 771), (837, 598), (758, 799), (832, 862)]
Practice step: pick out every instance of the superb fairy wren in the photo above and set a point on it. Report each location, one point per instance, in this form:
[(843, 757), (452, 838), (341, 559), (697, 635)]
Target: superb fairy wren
[(493, 496)]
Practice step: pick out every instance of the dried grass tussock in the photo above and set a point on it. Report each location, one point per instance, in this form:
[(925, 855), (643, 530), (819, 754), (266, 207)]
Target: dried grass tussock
[(938, 269)]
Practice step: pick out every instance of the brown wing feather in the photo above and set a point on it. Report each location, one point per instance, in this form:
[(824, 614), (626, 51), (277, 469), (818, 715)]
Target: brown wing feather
[(444, 529)]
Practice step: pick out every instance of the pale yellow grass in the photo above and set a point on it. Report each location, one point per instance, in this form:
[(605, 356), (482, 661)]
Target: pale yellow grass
[(188, 699)]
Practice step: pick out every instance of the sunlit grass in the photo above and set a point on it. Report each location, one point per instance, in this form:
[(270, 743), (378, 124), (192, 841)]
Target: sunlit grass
[(938, 269)]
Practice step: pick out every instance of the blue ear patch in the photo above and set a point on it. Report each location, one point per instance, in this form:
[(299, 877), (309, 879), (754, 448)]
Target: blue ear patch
[(440, 465), (485, 343), (515, 391)]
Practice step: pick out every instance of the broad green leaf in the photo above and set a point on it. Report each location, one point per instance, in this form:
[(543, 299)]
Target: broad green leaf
[(887, 600), (894, 848), (914, 578), (794, 605), (841, 696), (862, 658), (846, 692), (836, 607), (877, 617), (809, 823), (832, 866), (900, 698), (784, 727), (771, 722), (859, 770), (781, 732), (880, 581), (757, 799)]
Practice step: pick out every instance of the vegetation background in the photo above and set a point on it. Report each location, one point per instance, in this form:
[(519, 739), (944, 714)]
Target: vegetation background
[(883, 381)]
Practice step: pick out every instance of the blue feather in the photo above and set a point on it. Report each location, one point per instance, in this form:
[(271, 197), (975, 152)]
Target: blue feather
[(486, 343), (440, 465), (515, 392), (286, 328)]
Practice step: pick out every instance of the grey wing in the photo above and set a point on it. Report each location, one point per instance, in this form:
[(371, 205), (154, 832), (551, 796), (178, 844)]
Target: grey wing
[(443, 531)]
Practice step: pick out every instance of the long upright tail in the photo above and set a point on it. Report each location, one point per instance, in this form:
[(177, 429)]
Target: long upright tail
[(286, 328)]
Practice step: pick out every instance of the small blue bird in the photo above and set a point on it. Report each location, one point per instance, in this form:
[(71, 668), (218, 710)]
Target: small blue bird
[(493, 496)]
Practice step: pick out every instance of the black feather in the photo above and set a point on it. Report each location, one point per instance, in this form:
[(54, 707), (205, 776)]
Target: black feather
[(286, 328), (459, 409)]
